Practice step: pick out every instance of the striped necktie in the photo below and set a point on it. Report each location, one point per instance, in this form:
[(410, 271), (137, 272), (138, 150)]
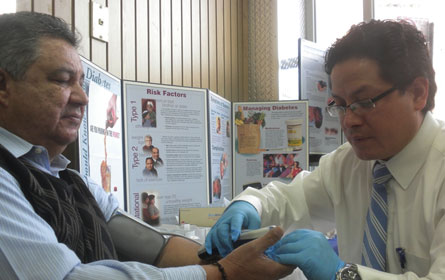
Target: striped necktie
[(374, 240)]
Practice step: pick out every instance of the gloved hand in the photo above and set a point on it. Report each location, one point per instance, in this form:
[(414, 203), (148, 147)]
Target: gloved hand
[(240, 214), (310, 251)]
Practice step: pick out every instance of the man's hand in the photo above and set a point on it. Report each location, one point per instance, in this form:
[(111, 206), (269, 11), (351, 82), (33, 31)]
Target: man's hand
[(227, 229), (249, 262), (310, 251)]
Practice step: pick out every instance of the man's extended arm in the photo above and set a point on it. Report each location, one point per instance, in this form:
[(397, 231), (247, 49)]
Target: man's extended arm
[(29, 248)]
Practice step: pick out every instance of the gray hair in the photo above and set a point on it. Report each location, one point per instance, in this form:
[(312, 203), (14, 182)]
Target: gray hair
[(20, 36)]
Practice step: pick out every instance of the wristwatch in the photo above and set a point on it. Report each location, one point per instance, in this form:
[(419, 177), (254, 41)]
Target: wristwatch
[(348, 272)]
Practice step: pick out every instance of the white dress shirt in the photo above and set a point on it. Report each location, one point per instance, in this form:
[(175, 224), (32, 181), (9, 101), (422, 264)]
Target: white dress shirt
[(337, 194), (28, 245)]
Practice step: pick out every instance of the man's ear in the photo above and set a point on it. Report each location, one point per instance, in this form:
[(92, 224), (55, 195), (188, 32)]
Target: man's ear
[(419, 89), (4, 93)]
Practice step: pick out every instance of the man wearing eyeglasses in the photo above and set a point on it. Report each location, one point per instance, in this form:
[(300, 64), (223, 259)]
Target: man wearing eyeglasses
[(383, 190)]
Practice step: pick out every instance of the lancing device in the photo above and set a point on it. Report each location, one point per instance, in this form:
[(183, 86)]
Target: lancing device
[(245, 236)]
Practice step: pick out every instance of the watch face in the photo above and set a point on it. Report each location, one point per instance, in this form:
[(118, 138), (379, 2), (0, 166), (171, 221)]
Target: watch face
[(350, 272)]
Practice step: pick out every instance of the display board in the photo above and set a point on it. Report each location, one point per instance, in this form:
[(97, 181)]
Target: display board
[(220, 147), (100, 134), (178, 147), (324, 131), (269, 142), (166, 150)]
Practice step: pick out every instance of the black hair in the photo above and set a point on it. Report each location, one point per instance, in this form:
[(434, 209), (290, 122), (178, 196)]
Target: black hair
[(398, 47)]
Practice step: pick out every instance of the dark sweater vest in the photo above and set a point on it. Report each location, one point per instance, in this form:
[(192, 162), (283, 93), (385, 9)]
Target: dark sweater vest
[(67, 205)]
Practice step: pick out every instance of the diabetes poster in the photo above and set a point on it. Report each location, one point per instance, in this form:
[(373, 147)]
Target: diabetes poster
[(100, 135), (166, 148), (270, 142)]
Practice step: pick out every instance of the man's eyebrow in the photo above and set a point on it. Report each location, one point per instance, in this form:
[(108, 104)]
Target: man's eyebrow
[(355, 92), (64, 70)]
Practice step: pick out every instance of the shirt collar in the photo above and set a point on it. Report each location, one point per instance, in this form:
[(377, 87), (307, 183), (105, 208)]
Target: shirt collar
[(14, 144), (406, 163), (20, 147)]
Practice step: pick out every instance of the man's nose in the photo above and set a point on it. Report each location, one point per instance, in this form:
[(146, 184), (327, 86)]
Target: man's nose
[(350, 118), (78, 95)]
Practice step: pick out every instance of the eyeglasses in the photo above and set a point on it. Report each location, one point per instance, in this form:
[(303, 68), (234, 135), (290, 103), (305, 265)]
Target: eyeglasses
[(360, 107)]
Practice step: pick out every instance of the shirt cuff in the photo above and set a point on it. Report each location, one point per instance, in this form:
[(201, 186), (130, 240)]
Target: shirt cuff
[(191, 272), (255, 201)]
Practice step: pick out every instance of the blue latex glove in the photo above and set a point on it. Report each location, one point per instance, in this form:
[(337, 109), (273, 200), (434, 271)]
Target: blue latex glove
[(240, 214), (310, 251)]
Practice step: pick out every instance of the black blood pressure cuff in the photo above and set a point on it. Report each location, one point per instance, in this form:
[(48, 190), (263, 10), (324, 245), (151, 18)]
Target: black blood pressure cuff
[(135, 240)]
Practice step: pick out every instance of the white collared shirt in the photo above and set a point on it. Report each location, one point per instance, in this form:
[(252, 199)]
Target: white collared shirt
[(337, 194)]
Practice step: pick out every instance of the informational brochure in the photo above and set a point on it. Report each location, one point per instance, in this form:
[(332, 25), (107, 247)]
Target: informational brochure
[(270, 142), (166, 150), (220, 143), (100, 134), (324, 131)]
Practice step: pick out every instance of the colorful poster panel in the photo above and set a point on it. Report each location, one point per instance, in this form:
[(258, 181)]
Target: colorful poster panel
[(270, 142), (100, 137), (166, 149), (324, 131), (220, 147)]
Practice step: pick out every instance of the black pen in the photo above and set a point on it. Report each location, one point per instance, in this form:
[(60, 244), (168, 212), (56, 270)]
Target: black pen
[(402, 258)]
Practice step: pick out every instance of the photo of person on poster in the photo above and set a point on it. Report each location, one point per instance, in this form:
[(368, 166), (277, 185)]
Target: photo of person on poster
[(288, 163), (150, 213), (228, 128), (315, 117), (218, 125), (157, 161), (148, 144), (280, 165), (322, 85), (216, 188), (223, 165), (149, 170), (295, 169), (148, 113)]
